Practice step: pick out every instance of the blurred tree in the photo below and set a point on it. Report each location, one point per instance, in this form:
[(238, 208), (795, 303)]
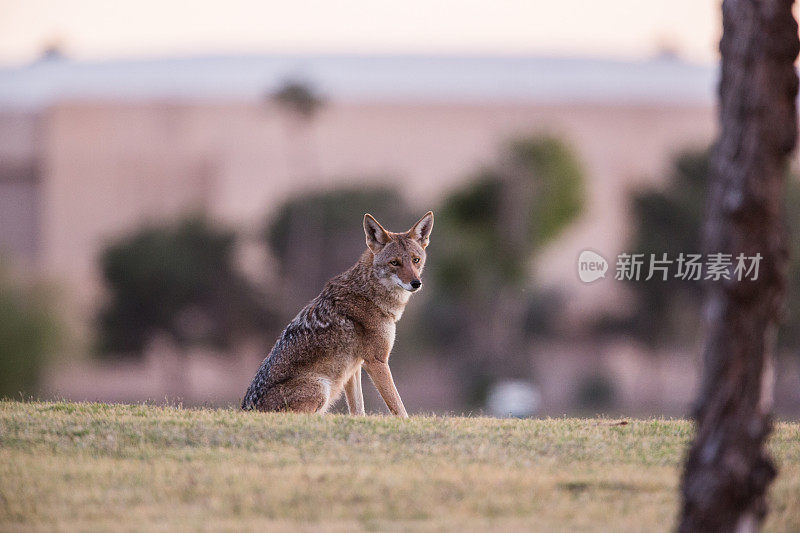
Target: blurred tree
[(490, 227), (301, 103), (789, 332), (595, 392), (545, 171), (29, 332), (668, 220), (299, 98), (318, 235), (486, 234), (180, 280), (728, 468)]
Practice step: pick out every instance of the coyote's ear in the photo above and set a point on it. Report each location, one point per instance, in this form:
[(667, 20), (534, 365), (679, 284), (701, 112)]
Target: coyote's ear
[(377, 237), (421, 231)]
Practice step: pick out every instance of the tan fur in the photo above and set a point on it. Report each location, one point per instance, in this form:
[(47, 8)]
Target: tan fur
[(349, 325)]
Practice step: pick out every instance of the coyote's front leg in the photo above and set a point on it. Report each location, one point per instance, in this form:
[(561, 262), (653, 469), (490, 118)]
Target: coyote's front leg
[(354, 394), (382, 378)]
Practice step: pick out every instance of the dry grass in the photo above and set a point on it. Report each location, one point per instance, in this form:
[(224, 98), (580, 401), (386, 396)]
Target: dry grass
[(66, 466)]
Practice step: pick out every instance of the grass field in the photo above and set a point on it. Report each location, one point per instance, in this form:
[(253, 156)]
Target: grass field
[(95, 467)]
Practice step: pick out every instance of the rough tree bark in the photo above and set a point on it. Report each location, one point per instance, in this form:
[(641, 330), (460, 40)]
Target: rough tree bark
[(727, 469)]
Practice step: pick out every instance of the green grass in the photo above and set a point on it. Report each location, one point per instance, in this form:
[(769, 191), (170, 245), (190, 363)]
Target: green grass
[(67, 466)]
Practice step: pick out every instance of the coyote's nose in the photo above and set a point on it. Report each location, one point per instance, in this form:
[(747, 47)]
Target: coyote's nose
[(415, 284)]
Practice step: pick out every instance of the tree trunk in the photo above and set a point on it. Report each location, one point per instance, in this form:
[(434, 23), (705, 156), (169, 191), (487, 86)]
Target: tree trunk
[(727, 469)]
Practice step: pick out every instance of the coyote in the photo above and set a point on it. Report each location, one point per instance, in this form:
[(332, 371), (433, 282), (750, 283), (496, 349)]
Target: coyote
[(349, 325)]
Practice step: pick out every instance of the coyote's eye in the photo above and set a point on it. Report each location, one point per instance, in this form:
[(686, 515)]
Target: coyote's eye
[(416, 260), (394, 263)]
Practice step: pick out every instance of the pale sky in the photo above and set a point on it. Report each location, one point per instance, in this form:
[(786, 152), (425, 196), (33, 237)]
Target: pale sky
[(103, 29)]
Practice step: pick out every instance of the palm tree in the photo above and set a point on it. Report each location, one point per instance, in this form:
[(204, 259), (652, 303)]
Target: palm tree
[(300, 104)]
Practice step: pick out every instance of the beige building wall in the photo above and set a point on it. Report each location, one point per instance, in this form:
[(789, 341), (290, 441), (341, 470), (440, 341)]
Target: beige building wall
[(20, 177), (111, 166)]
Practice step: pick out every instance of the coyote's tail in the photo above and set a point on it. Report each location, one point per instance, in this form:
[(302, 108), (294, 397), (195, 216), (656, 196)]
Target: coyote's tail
[(258, 386)]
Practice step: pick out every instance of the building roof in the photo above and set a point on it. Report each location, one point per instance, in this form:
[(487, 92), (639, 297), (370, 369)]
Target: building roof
[(664, 79)]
